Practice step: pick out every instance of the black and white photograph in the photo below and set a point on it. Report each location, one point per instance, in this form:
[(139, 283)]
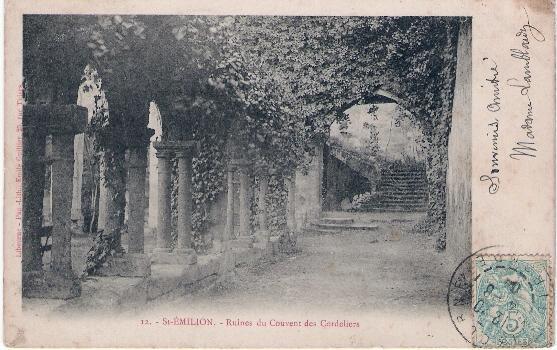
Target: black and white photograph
[(210, 175)]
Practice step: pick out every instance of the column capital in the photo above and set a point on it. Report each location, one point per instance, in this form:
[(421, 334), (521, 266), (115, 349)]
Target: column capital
[(186, 149), (164, 149), (180, 149)]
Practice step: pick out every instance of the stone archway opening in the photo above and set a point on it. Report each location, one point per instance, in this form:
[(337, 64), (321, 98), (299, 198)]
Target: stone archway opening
[(374, 160)]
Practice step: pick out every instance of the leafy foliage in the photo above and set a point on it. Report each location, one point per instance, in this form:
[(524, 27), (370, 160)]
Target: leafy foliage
[(104, 246), (235, 79)]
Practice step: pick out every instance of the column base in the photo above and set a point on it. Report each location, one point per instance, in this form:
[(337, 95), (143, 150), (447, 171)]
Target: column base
[(243, 242), (262, 236), (218, 246), (50, 285), (177, 257), (127, 265), (228, 261)]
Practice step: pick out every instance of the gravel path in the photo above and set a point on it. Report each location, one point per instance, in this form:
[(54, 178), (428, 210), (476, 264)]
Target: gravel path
[(351, 271)]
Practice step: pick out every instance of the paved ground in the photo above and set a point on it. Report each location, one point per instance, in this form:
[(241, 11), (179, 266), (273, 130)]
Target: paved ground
[(390, 282), (354, 270)]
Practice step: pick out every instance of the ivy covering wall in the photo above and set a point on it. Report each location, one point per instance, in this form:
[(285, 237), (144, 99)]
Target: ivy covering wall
[(214, 77)]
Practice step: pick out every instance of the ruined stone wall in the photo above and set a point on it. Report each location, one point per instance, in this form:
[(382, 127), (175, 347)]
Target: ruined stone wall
[(308, 190), (459, 172)]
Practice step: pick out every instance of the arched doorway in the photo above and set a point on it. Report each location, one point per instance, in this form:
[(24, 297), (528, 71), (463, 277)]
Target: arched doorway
[(374, 160)]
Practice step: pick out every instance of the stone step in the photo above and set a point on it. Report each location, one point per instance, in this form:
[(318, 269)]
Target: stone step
[(396, 204), (321, 231), (411, 194), (403, 176), (402, 190), (395, 209), (338, 221), (402, 186), (348, 227), (127, 293), (402, 203), (408, 195), (405, 185), (405, 173), (403, 199), (395, 180)]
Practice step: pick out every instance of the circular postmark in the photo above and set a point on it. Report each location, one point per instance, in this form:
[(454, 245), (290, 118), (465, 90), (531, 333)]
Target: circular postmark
[(510, 296), (459, 296)]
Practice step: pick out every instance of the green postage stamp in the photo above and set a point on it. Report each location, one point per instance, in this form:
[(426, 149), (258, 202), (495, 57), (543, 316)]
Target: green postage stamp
[(512, 301)]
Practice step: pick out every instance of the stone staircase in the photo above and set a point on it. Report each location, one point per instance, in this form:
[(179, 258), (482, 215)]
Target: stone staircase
[(334, 225), (401, 189)]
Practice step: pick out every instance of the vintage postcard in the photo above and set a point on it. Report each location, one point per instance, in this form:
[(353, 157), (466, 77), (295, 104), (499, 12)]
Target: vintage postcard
[(293, 174)]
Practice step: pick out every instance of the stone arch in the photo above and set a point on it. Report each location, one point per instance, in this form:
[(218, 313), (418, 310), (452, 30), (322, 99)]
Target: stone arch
[(458, 152), (378, 140)]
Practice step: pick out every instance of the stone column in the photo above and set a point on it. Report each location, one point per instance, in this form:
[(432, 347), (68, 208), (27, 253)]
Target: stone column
[(459, 168), (101, 220), (184, 155), (308, 188), (136, 188), (244, 202), (164, 154), (33, 183), (64, 121), (227, 262), (115, 204), (134, 263), (155, 123), (77, 214), (183, 254), (262, 207), (62, 161), (290, 183), (153, 189), (229, 228), (245, 237)]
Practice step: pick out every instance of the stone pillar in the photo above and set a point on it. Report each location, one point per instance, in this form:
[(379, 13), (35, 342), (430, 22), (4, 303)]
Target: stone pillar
[(182, 254), (245, 237), (79, 146), (101, 220), (153, 188), (244, 203), (62, 177), (262, 207), (227, 262), (33, 183), (64, 121), (136, 191), (155, 123), (229, 228), (308, 189), (134, 263), (290, 183), (459, 169), (184, 155), (114, 205), (164, 154)]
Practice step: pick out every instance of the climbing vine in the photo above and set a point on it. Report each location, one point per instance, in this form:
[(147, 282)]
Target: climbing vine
[(216, 74)]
